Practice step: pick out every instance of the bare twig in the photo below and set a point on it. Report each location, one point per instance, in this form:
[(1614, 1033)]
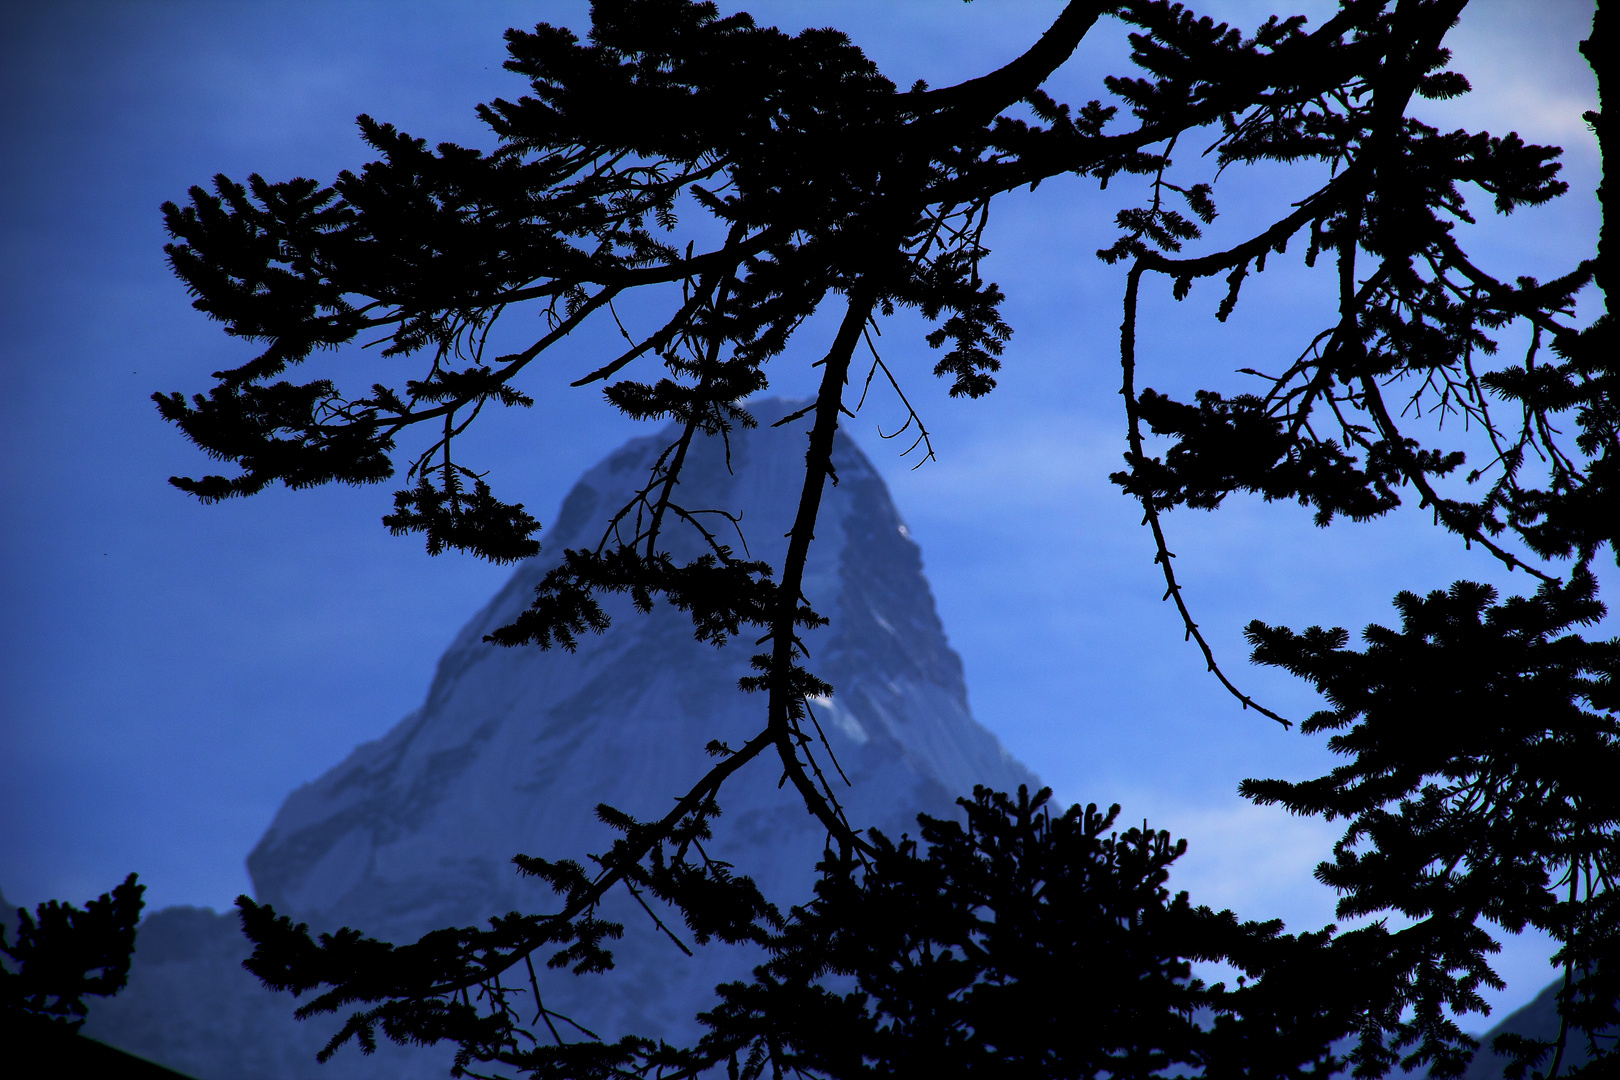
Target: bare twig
[(1127, 355)]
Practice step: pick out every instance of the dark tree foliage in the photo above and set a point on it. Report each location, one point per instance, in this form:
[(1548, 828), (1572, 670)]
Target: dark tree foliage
[(1484, 747), (737, 180), (63, 953), (980, 949)]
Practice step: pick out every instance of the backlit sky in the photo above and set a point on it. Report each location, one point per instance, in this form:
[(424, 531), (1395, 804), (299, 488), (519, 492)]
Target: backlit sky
[(171, 671)]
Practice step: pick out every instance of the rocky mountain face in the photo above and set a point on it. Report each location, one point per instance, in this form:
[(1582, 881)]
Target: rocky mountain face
[(513, 749)]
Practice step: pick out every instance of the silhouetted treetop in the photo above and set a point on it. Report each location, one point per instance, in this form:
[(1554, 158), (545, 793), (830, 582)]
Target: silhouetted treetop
[(63, 953)]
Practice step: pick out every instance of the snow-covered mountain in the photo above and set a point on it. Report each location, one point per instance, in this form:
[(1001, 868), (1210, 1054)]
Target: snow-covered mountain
[(513, 748)]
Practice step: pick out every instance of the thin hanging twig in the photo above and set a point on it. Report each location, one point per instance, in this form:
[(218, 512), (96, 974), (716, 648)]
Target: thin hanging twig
[(1127, 358)]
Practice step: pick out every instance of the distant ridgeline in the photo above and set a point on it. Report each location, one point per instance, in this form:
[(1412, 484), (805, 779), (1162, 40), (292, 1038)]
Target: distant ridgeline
[(513, 749)]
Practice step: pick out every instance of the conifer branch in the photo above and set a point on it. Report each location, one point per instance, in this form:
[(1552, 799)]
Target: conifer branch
[(786, 696), (1127, 357)]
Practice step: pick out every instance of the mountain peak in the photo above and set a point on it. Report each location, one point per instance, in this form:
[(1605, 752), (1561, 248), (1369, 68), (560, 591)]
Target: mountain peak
[(513, 748)]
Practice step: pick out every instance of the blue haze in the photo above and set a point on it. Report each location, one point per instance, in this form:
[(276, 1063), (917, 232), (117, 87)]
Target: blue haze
[(172, 671)]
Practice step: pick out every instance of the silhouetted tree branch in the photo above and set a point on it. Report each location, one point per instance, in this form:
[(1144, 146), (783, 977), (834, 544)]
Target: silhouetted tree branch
[(1483, 732)]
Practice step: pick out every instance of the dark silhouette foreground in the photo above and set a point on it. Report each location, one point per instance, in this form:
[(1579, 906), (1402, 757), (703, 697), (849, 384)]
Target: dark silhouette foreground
[(1479, 738)]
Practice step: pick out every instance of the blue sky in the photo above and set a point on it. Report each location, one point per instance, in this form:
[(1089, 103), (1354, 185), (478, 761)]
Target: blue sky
[(172, 671)]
